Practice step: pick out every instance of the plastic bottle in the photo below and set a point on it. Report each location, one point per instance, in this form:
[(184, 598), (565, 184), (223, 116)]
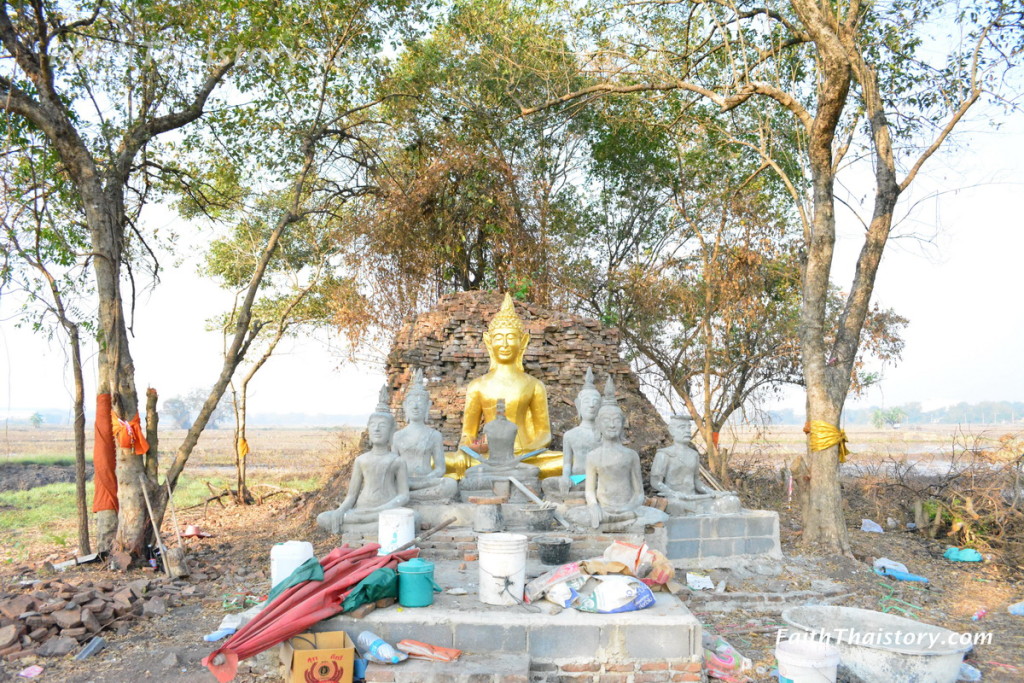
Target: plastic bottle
[(379, 650), (1017, 608)]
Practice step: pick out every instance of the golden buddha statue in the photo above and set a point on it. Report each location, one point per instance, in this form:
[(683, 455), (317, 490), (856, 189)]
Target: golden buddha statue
[(526, 400)]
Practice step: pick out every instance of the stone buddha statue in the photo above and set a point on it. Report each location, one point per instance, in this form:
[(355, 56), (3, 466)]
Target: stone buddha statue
[(379, 479), (675, 475), (576, 444), (422, 448), (614, 486), (501, 436)]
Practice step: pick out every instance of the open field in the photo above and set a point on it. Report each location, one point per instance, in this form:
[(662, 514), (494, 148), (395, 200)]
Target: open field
[(37, 491)]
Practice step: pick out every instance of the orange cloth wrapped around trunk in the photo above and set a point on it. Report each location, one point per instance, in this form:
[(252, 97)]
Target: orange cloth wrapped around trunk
[(104, 459), (129, 434)]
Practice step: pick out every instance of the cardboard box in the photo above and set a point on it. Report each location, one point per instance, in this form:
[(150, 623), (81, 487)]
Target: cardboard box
[(325, 657)]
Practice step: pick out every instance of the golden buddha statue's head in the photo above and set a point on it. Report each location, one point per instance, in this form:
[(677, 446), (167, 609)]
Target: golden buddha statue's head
[(506, 338)]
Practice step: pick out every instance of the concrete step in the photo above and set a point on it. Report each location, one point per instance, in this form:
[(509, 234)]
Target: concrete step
[(666, 631)]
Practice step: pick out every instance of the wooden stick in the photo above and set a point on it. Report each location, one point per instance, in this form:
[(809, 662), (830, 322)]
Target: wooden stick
[(425, 535), (156, 531), (174, 515), (710, 479)]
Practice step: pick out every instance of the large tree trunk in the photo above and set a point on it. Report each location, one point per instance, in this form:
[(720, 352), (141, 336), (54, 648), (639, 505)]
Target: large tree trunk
[(823, 519), (104, 211)]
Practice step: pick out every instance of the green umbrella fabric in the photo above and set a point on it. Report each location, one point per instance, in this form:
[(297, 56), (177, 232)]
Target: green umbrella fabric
[(383, 583)]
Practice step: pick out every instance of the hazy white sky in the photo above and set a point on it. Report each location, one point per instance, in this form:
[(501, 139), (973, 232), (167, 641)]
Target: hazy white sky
[(963, 293)]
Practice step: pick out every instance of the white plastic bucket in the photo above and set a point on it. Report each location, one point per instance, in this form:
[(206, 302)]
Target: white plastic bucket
[(806, 661), (395, 528), (502, 568), (286, 558)]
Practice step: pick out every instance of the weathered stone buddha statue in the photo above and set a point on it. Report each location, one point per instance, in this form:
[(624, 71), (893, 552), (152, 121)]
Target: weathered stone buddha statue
[(526, 399), (379, 480), (422, 449), (501, 436), (576, 444), (614, 486), (675, 475)]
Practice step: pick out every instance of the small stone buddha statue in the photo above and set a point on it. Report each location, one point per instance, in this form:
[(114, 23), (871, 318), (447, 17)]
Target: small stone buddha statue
[(675, 475), (614, 486), (576, 444), (526, 399), (422, 448), (501, 436), (379, 477)]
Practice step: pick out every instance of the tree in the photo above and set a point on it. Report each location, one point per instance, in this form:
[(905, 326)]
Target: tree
[(184, 409), (891, 417), (41, 233), (465, 193), (178, 411), (698, 269), (36, 420), (853, 76), (300, 288), (107, 83)]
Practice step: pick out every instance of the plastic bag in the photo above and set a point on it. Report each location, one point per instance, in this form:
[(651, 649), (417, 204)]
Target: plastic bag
[(723, 661), (570, 572), (868, 525), (562, 594), (434, 653), (628, 554), (661, 571), (614, 593), (884, 563)]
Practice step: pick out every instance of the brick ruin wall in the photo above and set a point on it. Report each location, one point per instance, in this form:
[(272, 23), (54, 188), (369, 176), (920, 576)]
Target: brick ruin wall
[(447, 343)]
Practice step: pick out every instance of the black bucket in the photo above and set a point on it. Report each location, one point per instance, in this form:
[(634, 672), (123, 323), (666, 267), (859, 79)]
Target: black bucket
[(539, 517), (553, 550)]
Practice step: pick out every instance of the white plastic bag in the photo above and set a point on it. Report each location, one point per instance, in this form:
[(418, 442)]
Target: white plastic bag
[(868, 525), (885, 563)]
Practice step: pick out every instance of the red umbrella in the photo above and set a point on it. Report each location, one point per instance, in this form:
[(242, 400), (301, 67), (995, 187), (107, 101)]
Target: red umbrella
[(301, 606)]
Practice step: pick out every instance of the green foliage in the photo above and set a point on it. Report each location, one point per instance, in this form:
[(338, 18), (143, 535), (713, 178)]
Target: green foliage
[(891, 417), (36, 420)]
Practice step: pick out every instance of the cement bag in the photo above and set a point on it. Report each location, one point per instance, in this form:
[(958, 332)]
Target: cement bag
[(570, 573), (614, 593), (562, 594)]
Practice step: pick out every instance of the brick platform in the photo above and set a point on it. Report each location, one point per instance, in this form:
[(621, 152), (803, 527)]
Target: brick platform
[(717, 540)]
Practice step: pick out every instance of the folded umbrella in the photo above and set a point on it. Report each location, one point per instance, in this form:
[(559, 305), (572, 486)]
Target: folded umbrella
[(301, 606)]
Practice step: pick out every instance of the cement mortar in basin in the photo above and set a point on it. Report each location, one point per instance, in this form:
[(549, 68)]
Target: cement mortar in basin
[(881, 647)]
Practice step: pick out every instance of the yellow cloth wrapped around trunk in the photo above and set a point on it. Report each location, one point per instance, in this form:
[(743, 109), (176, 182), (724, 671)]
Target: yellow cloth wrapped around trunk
[(823, 435)]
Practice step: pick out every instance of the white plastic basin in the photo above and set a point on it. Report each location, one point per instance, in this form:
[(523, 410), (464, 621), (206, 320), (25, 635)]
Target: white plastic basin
[(882, 647)]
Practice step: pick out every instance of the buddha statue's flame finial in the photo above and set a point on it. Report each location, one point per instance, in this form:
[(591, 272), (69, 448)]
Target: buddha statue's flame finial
[(383, 402), (609, 400), (417, 387), (506, 317)]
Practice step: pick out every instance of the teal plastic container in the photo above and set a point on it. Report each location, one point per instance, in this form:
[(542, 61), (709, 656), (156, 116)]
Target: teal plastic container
[(416, 585)]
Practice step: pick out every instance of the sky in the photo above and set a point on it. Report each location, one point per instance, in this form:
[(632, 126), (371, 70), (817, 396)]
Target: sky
[(954, 269)]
